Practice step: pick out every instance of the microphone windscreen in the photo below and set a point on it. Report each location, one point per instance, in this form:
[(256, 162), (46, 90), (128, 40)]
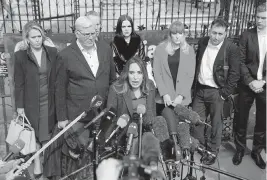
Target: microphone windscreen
[(150, 148), (96, 101), (132, 129), (170, 118), (160, 128), (141, 109), (123, 120), (186, 113), (184, 135), (17, 146)]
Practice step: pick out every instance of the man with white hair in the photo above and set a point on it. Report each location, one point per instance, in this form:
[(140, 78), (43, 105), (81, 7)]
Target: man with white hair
[(84, 69)]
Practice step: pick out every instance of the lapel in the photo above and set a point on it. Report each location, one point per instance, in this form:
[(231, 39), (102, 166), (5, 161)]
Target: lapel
[(182, 65), (128, 100), (81, 58), (165, 59), (221, 54), (254, 40), (202, 49), (48, 52), (101, 59), (29, 54)]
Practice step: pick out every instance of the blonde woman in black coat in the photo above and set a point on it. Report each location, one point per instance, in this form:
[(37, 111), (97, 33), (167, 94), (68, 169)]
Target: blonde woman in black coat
[(33, 79)]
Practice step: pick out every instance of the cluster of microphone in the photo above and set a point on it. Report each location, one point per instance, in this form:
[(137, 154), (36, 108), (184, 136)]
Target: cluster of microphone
[(178, 122)]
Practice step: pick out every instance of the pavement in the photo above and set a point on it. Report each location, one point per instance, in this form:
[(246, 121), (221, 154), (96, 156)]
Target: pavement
[(247, 169)]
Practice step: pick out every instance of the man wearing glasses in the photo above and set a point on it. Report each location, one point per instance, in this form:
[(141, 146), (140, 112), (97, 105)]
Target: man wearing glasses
[(84, 69)]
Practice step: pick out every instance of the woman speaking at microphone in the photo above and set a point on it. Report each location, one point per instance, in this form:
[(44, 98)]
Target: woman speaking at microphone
[(133, 88)]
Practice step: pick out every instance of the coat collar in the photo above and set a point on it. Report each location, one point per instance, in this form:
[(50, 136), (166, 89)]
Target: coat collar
[(255, 41), (221, 53), (82, 59), (128, 101)]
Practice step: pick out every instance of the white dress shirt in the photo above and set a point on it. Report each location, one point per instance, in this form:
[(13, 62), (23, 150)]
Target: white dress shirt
[(91, 57), (205, 76), (262, 51)]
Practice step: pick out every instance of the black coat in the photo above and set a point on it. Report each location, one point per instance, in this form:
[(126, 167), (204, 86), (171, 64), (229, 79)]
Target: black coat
[(76, 84), (26, 79), (228, 50), (249, 56)]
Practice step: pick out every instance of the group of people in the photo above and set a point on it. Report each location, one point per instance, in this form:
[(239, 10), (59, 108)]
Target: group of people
[(52, 88)]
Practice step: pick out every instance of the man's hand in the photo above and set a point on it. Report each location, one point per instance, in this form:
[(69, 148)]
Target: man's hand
[(109, 169), (178, 100), (167, 100), (21, 111), (256, 86), (62, 124)]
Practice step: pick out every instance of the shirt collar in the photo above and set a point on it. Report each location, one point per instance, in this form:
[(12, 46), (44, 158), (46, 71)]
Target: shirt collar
[(217, 46), (82, 48), (261, 32)]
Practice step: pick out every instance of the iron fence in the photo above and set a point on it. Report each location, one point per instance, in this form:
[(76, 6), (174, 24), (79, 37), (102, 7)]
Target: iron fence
[(58, 16)]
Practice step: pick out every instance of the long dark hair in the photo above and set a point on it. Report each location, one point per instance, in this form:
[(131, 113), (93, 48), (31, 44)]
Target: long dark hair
[(122, 84), (119, 24)]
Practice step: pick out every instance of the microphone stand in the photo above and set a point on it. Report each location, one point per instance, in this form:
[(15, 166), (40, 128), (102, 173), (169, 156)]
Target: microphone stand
[(140, 136), (190, 175), (202, 167), (95, 152)]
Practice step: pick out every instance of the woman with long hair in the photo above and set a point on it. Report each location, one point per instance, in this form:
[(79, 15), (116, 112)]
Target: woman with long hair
[(133, 88), (126, 43), (34, 82)]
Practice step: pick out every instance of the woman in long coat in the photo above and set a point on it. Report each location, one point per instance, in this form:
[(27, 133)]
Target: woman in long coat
[(34, 82)]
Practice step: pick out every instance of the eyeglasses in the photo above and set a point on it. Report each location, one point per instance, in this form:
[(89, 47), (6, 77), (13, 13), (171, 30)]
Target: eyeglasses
[(87, 34)]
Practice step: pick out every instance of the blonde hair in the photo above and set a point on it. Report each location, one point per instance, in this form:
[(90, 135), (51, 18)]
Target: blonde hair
[(28, 27), (177, 27)]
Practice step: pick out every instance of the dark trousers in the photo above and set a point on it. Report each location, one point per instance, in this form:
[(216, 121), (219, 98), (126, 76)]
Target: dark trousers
[(245, 101), (207, 101)]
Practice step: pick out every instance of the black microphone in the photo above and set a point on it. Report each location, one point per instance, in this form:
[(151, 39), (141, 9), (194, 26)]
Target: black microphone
[(151, 149), (110, 113), (96, 102), (121, 123), (170, 118), (131, 133), (14, 149), (141, 110), (187, 115), (196, 146)]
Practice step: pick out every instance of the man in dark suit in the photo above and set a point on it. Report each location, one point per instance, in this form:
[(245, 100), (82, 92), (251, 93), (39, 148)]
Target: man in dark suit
[(84, 69), (253, 86), (214, 82)]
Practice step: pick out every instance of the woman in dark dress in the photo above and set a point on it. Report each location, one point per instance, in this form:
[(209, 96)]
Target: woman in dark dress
[(34, 81), (126, 43)]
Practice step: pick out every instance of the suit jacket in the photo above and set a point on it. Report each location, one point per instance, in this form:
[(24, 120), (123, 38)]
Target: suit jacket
[(228, 50), (249, 56), (26, 79), (122, 103), (163, 76), (76, 85)]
